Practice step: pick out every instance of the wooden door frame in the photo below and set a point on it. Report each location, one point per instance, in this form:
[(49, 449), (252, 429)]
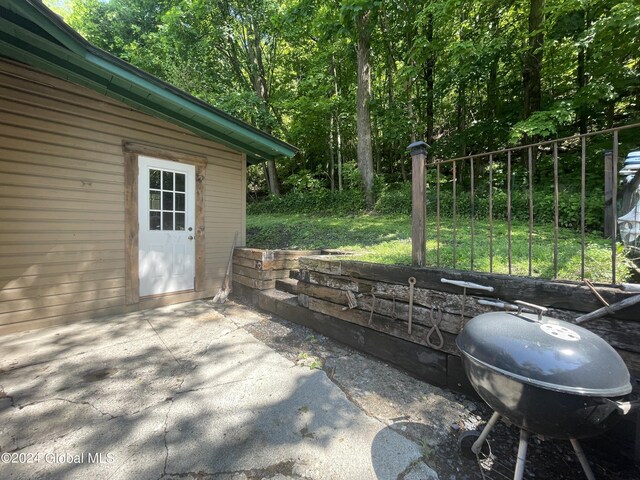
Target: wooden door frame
[(131, 223)]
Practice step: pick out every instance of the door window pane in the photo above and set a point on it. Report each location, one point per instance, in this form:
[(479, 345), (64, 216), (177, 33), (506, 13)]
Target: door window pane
[(167, 180), (154, 220), (167, 220), (179, 221), (180, 180), (154, 178), (179, 202), (167, 200), (154, 200)]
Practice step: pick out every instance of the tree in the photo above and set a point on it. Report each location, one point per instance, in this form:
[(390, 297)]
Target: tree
[(365, 153), (532, 68), (360, 15), (350, 80)]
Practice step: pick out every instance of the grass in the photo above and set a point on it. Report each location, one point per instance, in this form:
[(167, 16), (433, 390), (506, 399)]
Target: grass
[(387, 239)]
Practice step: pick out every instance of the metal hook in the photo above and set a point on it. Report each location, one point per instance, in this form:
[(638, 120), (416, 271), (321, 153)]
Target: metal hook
[(435, 327)]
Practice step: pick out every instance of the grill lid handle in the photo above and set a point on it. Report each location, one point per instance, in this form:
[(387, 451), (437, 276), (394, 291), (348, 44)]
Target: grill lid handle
[(541, 310), (463, 284), (497, 304), (624, 407)]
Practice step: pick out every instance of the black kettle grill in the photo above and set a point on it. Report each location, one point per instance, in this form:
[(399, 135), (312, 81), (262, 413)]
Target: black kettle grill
[(546, 376)]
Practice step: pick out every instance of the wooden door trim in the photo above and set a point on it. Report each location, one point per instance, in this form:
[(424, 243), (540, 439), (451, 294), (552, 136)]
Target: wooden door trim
[(163, 153), (131, 225), (132, 275)]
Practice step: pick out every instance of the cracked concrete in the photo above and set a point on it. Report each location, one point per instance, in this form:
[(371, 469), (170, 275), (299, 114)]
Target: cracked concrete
[(182, 392)]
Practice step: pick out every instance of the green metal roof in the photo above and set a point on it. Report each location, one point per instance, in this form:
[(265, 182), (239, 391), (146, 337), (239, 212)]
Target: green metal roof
[(31, 33)]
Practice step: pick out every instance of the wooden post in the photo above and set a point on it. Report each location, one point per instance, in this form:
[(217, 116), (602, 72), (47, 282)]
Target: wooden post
[(418, 203), (608, 193)]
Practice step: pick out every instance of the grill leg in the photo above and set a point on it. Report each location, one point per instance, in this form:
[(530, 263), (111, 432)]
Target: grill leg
[(583, 459), (522, 454), (477, 445)]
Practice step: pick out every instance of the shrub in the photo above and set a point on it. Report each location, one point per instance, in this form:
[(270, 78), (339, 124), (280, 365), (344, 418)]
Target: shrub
[(317, 202), (543, 207), (395, 201)]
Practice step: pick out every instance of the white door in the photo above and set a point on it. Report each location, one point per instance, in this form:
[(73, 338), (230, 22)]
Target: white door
[(166, 217)]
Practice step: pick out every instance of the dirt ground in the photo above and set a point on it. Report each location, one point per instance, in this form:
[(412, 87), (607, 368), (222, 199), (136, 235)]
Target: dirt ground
[(433, 417)]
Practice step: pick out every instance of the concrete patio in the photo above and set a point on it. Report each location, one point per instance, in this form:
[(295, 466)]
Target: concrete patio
[(183, 392)]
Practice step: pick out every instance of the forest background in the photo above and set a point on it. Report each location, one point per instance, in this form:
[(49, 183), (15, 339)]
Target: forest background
[(352, 82)]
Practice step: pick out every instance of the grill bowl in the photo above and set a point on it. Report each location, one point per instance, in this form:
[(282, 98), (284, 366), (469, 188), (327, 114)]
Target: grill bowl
[(539, 410), (547, 376)]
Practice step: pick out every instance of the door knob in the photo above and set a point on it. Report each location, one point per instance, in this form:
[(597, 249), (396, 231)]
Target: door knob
[(190, 237)]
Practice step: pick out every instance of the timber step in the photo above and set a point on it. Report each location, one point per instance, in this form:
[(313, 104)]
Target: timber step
[(289, 285)]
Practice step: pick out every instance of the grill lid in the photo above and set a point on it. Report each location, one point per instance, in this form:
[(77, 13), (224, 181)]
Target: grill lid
[(550, 353)]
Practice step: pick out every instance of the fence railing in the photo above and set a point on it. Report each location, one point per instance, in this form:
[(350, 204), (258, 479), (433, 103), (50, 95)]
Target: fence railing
[(499, 173)]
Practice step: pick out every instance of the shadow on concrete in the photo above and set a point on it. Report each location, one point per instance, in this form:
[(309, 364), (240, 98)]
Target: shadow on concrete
[(192, 395)]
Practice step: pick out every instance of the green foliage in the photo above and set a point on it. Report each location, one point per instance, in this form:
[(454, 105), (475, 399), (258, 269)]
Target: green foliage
[(303, 181), (543, 124), (543, 212), (350, 176), (395, 200), (318, 202), (398, 201), (303, 50)]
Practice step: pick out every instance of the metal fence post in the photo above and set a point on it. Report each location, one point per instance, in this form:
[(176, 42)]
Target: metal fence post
[(418, 203), (608, 193)]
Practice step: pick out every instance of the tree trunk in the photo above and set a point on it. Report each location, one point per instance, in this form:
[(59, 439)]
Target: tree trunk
[(273, 178), (339, 149), (258, 80), (492, 89), (412, 124), (461, 116), (583, 111), (532, 71), (492, 81), (266, 176), (610, 110), (531, 74), (429, 73), (391, 67), (363, 120), (403, 170), (337, 115), (331, 169), (461, 112), (378, 146)]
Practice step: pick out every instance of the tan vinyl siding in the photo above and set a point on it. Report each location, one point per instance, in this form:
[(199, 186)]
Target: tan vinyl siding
[(223, 217), (62, 248)]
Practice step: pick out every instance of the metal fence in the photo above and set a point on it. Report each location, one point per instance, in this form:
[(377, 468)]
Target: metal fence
[(480, 172)]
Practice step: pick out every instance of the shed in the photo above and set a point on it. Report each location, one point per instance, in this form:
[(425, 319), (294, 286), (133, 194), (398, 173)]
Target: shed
[(118, 191)]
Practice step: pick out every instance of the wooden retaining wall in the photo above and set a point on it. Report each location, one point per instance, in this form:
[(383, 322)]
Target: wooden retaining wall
[(259, 269), (371, 302), (381, 294)]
